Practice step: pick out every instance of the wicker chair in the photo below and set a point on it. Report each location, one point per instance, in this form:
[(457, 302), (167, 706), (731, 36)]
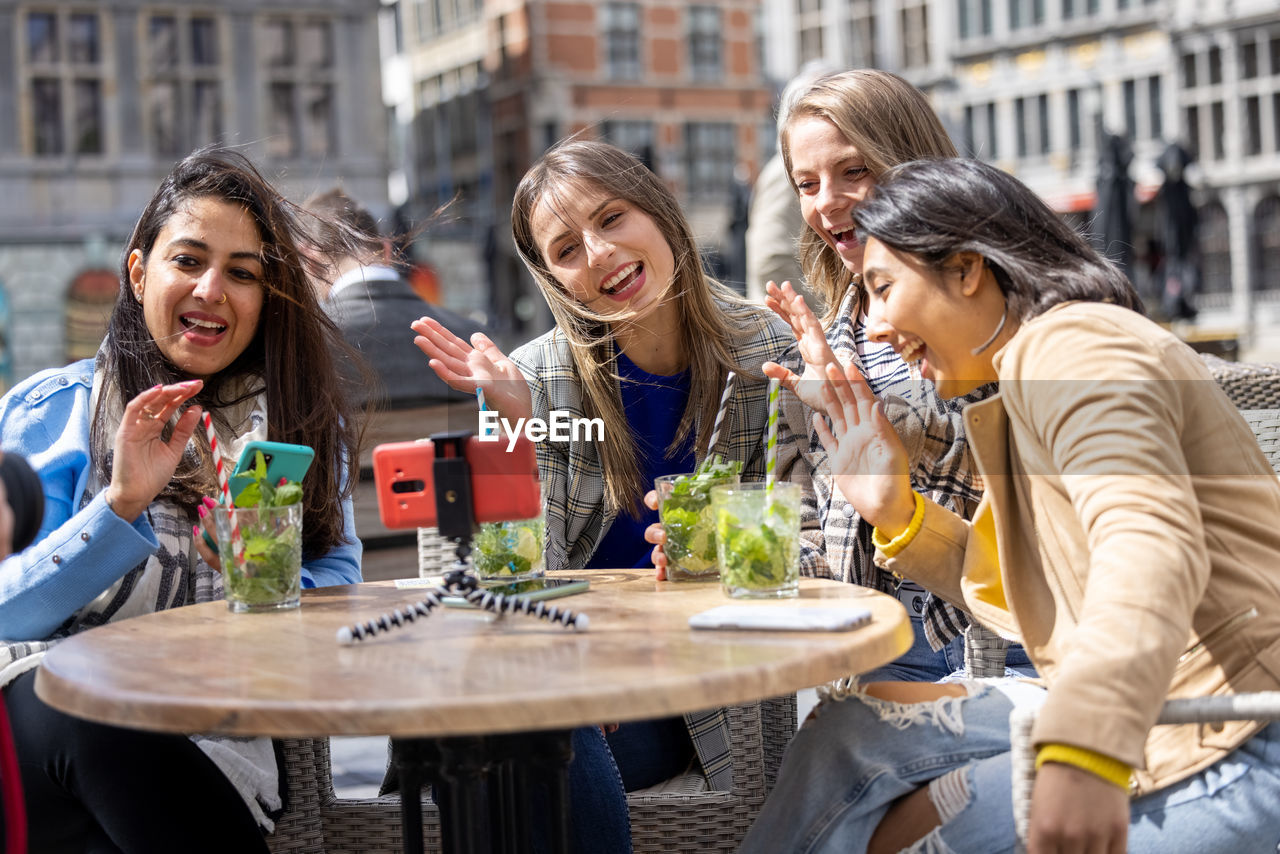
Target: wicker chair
[(1258, 706), (678, 815)]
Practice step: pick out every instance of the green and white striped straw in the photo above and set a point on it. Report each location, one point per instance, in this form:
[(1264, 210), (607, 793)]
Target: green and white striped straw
[(771, 441)]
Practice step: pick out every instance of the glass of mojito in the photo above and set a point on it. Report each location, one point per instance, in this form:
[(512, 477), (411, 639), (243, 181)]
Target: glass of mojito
[(269, 577), (684, 507), (510, 551), (758, 539)]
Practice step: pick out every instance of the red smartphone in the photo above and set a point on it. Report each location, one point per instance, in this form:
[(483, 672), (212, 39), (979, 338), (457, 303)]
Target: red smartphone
[(504, 484)]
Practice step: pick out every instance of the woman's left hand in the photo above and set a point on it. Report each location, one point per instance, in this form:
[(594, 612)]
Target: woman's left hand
[(1073, 810)]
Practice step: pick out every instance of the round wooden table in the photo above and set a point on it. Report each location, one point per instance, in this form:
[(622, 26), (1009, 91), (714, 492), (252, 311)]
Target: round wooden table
[(457, 673)]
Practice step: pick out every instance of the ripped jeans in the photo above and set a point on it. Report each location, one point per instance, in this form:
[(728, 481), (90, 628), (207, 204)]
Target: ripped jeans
[(857, 755)]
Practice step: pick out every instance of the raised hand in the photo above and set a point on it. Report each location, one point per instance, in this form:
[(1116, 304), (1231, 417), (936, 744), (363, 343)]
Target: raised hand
[(480, 364), (144, 461), (868, 461), (814, 349)]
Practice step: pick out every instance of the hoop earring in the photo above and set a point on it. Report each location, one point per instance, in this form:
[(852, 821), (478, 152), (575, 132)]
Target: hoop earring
[(977, 351)]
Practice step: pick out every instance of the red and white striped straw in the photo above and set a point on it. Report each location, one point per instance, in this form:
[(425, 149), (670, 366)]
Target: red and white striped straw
[(237, 543)]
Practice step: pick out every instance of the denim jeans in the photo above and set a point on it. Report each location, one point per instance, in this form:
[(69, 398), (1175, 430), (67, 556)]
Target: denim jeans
[(856, 756), (600, 821), (649, 752)]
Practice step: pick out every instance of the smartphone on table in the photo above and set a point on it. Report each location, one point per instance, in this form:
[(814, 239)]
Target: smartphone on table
[(532, 588)]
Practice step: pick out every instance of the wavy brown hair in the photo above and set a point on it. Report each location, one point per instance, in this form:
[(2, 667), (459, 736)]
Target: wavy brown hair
[(889, 121), (292, 348), (712, 317)]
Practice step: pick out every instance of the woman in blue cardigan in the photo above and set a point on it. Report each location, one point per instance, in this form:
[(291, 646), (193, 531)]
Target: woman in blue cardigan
[(215, 313)]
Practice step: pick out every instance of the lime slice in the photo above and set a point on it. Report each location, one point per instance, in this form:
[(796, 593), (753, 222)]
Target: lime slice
[(527, 545)]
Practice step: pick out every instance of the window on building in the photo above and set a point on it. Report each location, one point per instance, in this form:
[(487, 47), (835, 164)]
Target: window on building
[(1275, 121), (1025, 13), (1217, 130), (301, 117), (1155, 108), (1031, 117), (973, 18), (1074, 131), (980, 131), (1215, 254), (861, 24), (64, 75), (1042, 121), (622, 40), (1192, 123), (914, 21), (181, 86), (1252, 126), (1215, 65), (710, 155), (1189, 71), (1020, 126), (1248, 60), (634, 136), (705, 61), (1130, 89), (1275, 55), (809, 29), (1266, 229)]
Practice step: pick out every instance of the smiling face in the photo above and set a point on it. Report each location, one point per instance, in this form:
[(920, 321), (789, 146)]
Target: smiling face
[(607, 253), (935, 319), (831, 176), (201, 286)]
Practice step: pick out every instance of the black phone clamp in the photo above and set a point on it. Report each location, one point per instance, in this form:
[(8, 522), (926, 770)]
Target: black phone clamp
[(459, 582), (455, 520)]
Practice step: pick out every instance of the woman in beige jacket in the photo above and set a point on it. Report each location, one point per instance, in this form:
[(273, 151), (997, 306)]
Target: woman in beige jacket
[(1127, 536)]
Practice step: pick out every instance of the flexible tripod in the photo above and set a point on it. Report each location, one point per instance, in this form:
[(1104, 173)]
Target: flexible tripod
[(455, 517)]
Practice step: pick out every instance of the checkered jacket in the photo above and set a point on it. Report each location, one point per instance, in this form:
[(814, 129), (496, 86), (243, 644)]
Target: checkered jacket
[(834, 542), (573, 479)]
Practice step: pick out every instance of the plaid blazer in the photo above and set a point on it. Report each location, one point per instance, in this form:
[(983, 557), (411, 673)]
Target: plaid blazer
[(573, 479), (834, 543)]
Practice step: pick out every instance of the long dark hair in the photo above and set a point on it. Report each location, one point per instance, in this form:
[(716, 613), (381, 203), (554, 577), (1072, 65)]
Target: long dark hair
[(292, 348), (932, 209)]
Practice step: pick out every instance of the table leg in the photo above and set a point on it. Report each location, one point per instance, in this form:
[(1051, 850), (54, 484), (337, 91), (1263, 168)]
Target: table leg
[(463, 764), (549, 753), (416, 758)]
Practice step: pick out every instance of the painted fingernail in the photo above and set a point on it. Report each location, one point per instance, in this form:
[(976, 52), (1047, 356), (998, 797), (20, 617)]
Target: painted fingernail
[(200, 509), (209, 502), (283, 481), (195, 531)]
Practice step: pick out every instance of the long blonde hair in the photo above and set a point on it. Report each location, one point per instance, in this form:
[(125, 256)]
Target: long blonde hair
[(711, 316), (889, 121)]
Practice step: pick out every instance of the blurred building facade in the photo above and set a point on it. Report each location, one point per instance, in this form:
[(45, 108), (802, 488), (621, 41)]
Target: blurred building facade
[(481, 88), (98, 101), (1032, 85)]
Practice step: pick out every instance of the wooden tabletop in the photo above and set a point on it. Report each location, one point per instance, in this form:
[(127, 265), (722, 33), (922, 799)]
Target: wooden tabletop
[(204, 669)]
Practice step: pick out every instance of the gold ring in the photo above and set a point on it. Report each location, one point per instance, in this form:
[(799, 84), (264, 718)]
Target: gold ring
[(221, 301), (149, 414)]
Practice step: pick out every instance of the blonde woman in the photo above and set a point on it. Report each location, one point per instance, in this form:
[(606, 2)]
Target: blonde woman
[(643, 341), (836, 137)]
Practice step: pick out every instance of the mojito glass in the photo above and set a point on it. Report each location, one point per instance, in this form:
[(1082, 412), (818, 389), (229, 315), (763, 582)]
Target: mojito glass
[(511, 551), (270, 576), (758, 539), (684, 508)]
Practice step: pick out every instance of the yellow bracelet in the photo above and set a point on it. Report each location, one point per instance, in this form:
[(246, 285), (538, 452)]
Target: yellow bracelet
[(1112, 770), (900, 542)]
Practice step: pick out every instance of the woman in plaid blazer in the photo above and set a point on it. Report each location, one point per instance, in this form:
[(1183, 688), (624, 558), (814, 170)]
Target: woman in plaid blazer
[(643, 342)]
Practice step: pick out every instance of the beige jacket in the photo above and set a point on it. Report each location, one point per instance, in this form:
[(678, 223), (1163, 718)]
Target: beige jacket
[(1138, 532)]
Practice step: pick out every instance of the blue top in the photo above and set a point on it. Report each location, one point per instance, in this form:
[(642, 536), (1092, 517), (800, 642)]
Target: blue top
[(653, 405), (79, 552)]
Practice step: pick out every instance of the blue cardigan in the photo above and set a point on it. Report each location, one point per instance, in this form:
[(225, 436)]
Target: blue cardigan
[(79, 552)]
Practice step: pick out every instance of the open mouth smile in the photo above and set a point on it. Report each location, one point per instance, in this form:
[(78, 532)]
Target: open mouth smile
[(202, 327), (621, 280), (913, 352)]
